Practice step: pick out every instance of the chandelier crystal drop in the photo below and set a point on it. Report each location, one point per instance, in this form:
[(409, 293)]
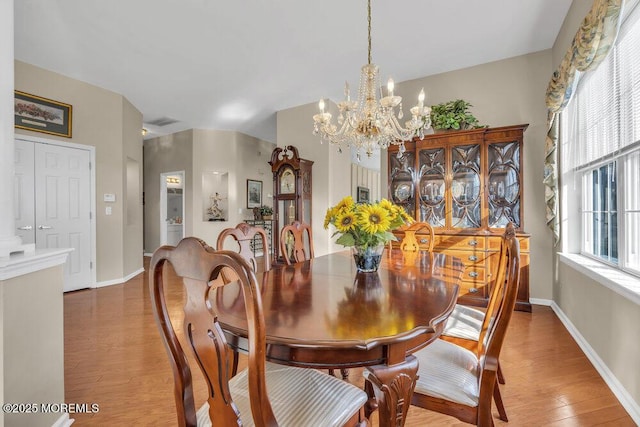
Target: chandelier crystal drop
[(371, 123)]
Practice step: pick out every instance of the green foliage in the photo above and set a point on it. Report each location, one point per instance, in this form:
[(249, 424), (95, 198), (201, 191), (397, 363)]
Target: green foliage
[(266, 210), (453, 115)]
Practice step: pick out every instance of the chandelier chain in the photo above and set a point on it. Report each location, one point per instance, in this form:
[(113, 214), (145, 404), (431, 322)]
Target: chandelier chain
[(369, 28)]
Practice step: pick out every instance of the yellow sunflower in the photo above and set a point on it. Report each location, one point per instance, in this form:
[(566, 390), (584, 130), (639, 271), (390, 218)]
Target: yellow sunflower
[(345, 221), (344, 204), (374, 219), (387, 205), (328, 217)]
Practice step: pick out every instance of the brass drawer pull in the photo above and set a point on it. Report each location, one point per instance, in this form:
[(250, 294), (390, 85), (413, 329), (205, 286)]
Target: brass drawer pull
[(473, 274), (473, 243), (473, 290), (473, 258), (423, 240)]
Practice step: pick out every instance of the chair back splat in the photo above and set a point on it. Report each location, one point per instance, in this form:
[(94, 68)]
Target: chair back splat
[(296, 242), (300, 396), (417, 236), (244, 234)]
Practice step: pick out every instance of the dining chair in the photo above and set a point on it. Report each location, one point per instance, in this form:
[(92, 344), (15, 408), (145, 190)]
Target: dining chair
[(465, 323), (296, 242), (263, 394), (456, 381), (244, 234), (417, 236)]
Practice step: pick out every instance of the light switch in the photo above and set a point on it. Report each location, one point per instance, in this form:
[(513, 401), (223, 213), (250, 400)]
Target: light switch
[(109, 198), (107, 210)]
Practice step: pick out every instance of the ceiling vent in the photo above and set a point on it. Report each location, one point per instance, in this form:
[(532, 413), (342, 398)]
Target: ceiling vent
[(163, 121)]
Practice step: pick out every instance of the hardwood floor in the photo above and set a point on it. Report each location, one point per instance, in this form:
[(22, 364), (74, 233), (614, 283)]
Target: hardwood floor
[(114, 357)]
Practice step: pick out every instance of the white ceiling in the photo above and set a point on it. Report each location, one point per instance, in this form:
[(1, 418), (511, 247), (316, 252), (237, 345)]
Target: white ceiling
[(231, 65)]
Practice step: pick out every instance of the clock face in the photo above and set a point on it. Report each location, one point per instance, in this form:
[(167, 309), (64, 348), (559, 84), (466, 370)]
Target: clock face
[(287, 181)]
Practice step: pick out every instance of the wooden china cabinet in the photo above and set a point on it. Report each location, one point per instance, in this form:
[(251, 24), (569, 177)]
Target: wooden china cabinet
[(291, 191), (468, 185)]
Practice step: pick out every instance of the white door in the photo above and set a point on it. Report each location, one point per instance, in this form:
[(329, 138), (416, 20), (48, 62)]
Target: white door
[(59, 196), (24, 191), (172, 208)]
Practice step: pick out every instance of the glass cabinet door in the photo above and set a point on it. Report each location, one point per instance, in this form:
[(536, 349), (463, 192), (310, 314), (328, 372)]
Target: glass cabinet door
[(504, 184), (431, 186), (465, 186), (401, 187)]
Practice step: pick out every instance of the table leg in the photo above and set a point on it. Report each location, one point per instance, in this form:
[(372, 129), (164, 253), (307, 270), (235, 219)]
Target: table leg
[(392, 387)]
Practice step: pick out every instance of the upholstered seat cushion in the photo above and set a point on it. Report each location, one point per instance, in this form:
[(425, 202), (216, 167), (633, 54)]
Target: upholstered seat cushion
[(448, 371), (464, 322), (299, 397)]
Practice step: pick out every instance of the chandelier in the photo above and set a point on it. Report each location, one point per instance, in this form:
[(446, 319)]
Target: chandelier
[(371, 123)]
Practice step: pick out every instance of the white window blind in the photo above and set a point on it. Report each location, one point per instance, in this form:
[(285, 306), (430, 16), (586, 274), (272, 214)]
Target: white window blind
[(604, 114)]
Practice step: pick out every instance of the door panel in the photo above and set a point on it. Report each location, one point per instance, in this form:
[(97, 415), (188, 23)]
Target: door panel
[(63, 206), (24, 191)]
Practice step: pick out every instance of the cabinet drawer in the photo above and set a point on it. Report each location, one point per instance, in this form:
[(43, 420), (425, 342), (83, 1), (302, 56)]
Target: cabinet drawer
[(471, 289), (475, 274), (468, 258), (443, 242)]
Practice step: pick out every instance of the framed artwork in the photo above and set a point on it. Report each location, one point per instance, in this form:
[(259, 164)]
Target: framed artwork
[(363, 195), (44, 115), (254, 194)]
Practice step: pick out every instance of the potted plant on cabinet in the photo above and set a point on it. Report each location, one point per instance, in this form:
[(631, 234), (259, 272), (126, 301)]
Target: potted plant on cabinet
[(266, 211), (453, 115)]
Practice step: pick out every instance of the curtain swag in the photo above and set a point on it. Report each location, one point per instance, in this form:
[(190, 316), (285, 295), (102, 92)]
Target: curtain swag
[(591, 45)]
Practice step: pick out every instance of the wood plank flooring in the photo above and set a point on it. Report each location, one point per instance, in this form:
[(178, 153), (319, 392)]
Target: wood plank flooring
[(114, 357)]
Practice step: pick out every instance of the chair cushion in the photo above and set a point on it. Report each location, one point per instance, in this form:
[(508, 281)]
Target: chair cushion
[(299, 397), (464, 322), (448, 371)]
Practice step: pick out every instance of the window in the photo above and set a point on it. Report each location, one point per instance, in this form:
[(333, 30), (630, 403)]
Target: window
[(601, 155)]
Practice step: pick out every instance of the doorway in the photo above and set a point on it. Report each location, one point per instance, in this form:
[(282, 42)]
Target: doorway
[(172, 207), (54, 186)]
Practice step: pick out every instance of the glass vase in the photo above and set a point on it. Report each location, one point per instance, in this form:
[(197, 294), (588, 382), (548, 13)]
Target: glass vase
[(367, 258)]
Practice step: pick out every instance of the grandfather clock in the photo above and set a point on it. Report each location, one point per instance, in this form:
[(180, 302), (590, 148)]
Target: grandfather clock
[(291, 190)]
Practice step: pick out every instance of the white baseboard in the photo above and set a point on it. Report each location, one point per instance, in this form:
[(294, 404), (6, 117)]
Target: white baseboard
[(149, 254), (540, 301), (63, 421), (625, 399), (119, 281)]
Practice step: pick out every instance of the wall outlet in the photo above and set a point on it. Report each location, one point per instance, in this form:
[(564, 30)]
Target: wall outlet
[(108, 210)]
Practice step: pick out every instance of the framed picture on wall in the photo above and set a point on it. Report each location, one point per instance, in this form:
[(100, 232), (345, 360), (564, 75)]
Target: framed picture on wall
[(363, 195), (44, 115), (254, 194)]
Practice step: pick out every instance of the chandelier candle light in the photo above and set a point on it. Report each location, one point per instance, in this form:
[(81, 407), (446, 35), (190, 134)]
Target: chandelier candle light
[(368, 123)]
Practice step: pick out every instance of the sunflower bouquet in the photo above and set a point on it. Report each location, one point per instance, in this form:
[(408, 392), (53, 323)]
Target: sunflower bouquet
[(365, 225)]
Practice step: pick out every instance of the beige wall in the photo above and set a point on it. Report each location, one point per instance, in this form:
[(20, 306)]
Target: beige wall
[(201, 152), (609, 322), (105, 120), (331, 173), (33, 345), (132, 188), (170, 153)]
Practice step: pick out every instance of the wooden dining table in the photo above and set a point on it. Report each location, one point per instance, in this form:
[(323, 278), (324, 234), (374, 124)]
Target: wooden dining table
[(323, 314)]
